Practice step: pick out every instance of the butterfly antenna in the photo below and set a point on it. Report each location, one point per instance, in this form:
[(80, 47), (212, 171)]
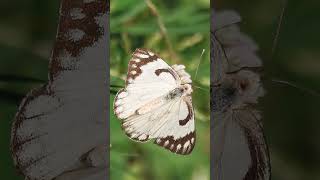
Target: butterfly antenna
[(196, 73), (276, 39), (306, 90), (207, 90)]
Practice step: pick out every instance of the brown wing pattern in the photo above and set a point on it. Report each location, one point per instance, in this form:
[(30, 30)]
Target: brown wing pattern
[(140, 57), (182, 145)]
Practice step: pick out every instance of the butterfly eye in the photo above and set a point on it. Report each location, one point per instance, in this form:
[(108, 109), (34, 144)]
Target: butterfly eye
[(243, 85)]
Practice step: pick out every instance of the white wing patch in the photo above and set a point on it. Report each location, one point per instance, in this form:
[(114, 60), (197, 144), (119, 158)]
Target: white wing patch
[(147, 111)]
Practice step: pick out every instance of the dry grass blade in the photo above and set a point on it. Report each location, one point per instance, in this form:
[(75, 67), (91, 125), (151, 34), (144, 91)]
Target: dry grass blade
[(163, 30)]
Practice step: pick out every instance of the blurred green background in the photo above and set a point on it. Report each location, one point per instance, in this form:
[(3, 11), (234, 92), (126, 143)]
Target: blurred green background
[(132, 26), (291, 117), (27, 32)]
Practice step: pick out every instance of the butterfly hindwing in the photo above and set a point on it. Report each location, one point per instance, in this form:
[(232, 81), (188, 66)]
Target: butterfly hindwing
[(251, 158), (181, 137), (172, 125)]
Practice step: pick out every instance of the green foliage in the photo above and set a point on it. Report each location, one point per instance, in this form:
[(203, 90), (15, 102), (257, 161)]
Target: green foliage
[(20, 71), (134, 26)]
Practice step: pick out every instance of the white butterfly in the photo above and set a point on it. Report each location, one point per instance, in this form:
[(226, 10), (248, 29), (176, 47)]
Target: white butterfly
[(239, 148), (156, 103)]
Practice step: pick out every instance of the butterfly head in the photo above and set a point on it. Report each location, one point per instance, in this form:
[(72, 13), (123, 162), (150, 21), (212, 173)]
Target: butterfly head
[(187, 89)]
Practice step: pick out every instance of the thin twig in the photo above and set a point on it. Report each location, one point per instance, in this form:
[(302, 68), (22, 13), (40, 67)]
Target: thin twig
[(163, 30), (126, 154), (126, 42), (116, 86), (276, 39)]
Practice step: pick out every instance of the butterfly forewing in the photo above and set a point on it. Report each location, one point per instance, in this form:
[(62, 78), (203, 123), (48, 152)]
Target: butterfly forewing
[(143, 84)]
